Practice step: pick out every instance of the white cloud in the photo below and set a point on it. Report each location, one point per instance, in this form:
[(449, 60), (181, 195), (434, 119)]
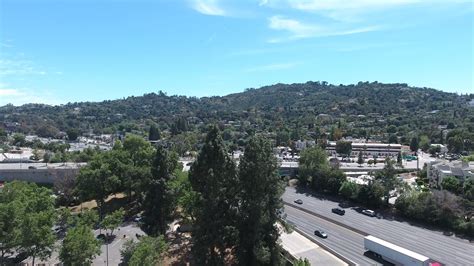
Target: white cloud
[(272, 67), (356, 10), (6, 45), (10, 92), (208, 7), (10, 67), (25, 96), (299, 30), (318, 5)]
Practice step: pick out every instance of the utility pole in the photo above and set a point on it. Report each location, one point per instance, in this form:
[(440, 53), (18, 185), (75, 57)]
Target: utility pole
[(107, 250)]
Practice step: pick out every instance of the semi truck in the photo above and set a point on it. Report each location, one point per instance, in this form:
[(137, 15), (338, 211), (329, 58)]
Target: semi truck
[(395, 254)]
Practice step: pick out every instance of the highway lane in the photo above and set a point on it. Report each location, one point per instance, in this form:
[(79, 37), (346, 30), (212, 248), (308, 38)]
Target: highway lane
[(345, 242), (448, 250)]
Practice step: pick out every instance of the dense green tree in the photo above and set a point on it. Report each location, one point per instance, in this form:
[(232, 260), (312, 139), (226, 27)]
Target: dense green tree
[(371, 194), (433, 150), (18, 139), (113, 220), (133, 162), (314, 167), (392, 139), (468, 189), (154, 133), (392, 129), (96, 181), (311, 159), (424, 143), (399, 159), (344, 148), (127, 251), (414, 144), (260, 195), (440, 208), (47, 131), (213, 176), (388, 179), (159, 204), (72, 134), (9, 221), (184, 195), (32, 218), (455, 144), (282, 137), (179, 126), (349, 190), (302, 262), (148, 251), (360, 159), (79, 247), (336, 134), (452, 184)]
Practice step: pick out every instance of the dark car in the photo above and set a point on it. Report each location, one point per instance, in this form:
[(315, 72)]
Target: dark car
[(338, 211), (31, 167), (320, 233), (101, 237), (298, 201)]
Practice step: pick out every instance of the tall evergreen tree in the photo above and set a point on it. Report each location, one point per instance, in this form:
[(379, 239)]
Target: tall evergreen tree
[(158, 204), (213, 177), (154, 133), (261, 190)]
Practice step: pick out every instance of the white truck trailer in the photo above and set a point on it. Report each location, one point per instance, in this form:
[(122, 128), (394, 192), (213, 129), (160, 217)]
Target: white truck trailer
[(395, 254)]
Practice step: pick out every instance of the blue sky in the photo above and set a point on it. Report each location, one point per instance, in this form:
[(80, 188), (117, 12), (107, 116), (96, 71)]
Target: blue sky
[(58, 51)]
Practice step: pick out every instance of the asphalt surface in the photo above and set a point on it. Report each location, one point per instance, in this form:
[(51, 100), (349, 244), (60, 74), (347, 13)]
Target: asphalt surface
[(301, 247), (449, 250), (344, 241), (123, 233)]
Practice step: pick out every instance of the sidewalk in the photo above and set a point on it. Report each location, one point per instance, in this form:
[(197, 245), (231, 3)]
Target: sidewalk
[(301, 247)]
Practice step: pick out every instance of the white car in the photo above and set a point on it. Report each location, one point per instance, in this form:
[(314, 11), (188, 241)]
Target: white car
[(370, 213)]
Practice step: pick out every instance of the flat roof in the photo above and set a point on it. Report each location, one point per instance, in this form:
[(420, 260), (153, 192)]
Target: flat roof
[(398, 248)]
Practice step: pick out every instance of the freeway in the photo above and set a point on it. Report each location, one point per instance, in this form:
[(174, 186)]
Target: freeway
[(448, 250), (345, 242)]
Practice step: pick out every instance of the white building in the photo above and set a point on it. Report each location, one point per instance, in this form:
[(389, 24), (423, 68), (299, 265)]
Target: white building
[(303, 144), (440, 169), (442, 148), (368, 149)]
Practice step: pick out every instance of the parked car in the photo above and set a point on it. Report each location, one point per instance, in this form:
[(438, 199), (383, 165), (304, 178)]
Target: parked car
[(338, 211), (298, 201), (370, 213), (137, 219), (320, 233), (101, 237), (31, 167)]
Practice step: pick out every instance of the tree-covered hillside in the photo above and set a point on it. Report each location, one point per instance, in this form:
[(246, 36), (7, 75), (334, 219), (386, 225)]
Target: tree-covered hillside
[(301, 111)]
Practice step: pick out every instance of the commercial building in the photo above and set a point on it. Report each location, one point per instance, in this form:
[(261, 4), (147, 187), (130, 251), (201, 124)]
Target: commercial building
[(368, 149)]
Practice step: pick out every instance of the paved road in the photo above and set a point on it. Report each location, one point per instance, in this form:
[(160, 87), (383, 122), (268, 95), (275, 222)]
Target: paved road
[(448, 250), (345, 242), (130, 231), (301, 247)]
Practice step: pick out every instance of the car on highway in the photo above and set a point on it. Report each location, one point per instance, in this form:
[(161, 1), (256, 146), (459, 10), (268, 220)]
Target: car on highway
[(320, 233), (338, 211), (298, 201), (31, 167), (368, 212)]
